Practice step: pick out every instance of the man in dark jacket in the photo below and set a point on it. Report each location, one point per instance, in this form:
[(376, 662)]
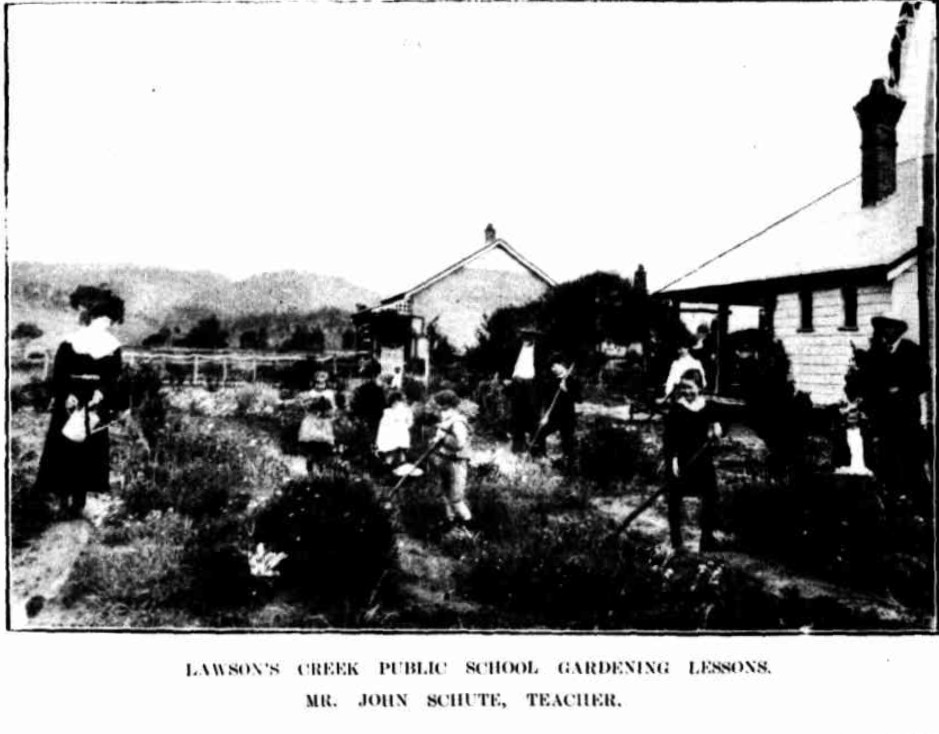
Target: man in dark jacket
[(895, 386), (368, 401)]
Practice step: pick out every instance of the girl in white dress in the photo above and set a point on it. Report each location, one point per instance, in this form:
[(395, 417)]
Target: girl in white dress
[(394, 431)]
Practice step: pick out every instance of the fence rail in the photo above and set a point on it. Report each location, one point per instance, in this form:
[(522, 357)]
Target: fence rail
[(203, 366)]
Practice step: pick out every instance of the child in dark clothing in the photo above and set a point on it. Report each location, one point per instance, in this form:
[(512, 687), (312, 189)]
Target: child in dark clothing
[(690, 429), (560, 414)]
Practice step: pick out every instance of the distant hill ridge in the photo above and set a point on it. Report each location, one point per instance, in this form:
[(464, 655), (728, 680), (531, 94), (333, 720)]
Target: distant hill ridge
[(149, 291), (39, 292)]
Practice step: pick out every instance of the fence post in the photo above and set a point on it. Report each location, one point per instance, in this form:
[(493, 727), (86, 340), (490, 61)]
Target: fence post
[(254, 370), (224, 370), (45, 365), (195, 369)]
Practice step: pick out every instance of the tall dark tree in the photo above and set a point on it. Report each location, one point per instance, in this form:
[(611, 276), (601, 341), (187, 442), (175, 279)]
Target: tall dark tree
[(305, 339), (575, 318)]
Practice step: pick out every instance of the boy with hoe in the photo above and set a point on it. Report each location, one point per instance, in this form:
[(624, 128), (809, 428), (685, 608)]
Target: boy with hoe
[(452, 442)]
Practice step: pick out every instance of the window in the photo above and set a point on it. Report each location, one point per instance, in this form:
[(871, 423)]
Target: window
[(849, 299), (805, 303)]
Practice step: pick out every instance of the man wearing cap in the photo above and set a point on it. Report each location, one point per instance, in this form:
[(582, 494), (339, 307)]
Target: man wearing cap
[(896, 382)]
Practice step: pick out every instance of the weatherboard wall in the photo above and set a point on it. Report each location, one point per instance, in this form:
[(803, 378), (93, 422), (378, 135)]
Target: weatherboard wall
[(459, 304), (819, 359)]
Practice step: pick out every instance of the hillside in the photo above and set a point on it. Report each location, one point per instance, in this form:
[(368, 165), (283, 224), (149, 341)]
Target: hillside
[(157, 296)]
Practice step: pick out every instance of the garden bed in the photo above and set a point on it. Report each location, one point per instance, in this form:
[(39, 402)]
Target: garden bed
[(178, 545)]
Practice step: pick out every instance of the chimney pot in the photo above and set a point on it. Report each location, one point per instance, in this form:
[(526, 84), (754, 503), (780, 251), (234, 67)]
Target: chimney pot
[(490, 233)]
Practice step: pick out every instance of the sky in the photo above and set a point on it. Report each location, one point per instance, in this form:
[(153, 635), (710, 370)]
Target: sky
[(375, 142)]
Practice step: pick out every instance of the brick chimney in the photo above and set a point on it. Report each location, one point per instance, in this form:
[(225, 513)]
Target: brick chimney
[(490, 234), (878, 114)]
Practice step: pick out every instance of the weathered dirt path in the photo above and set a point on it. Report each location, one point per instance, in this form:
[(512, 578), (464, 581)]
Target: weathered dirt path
[(39, 571)]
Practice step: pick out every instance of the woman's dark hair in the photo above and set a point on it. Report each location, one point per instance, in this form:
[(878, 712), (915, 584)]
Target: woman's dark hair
[(693, 376), (394, 396), (95, 301), (371, 369)]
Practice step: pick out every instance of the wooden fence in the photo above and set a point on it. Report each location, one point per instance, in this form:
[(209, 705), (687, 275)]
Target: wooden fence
[(202, 366)]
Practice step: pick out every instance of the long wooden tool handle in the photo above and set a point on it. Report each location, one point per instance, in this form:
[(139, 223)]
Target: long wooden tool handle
[(651, 499), (544, 419)]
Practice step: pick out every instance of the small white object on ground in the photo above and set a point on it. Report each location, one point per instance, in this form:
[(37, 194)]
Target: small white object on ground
[(407, 470)]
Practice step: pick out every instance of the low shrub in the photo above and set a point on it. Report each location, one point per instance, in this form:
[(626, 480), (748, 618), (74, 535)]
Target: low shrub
[(163, 562), (143, 391), (197, 473), (419, 508), (337, 536), (609, 453), (256, 399), (838, 527), (495, 408), (780, 414), (577, 575), (35, 394), (138, 565), (30, 512)]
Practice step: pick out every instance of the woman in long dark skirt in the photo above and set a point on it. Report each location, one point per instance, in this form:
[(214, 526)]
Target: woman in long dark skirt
[(84, 381)]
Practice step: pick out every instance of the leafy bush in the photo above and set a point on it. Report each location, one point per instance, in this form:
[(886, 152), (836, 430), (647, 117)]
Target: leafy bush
[(198, 474), (35, 394), (780, 414), (575, 318), (206, 334), (338, 537), (143, 390)]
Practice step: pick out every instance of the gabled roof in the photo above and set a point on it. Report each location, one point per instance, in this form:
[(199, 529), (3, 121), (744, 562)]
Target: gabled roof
[(496, 244), (829, 234)]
